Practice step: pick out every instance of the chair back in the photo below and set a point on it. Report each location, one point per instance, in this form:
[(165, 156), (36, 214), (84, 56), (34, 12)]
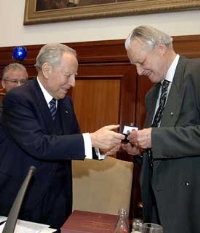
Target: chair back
[(102, 186)]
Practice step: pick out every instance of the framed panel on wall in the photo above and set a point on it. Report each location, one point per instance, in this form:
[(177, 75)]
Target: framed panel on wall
[(48, 11)]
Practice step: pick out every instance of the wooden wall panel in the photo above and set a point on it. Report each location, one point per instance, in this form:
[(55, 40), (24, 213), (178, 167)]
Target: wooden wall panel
[(96, 101), (125, 99)]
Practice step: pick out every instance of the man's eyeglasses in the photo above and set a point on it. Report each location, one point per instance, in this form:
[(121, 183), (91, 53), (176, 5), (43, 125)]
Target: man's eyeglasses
[(16, 81)]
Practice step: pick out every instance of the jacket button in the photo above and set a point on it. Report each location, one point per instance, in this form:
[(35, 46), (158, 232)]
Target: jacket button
[(171, 113), (186, 183)]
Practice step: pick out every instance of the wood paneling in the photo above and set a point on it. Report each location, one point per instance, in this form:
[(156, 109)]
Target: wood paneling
[(101, 108), (109, 85)]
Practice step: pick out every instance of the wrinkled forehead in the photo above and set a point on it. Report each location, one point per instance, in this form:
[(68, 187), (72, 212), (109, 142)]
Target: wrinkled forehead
[(137, 50), (69, 63), (16, 73), (138, 44)]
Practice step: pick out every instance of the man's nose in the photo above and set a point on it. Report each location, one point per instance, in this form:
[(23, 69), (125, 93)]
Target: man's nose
[(139, 70), (72, 81)]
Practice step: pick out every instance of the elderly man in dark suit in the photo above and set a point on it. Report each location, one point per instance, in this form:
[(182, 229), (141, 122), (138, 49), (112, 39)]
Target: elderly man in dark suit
[(169, 143), (32, 136)]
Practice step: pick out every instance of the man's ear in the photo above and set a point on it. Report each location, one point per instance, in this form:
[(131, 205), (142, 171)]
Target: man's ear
[(162, 47), (3, 84), (46, 69)]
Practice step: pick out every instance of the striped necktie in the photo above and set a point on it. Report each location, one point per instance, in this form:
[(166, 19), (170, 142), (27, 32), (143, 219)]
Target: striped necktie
[(159, 112), (52, 108), (163, 97)]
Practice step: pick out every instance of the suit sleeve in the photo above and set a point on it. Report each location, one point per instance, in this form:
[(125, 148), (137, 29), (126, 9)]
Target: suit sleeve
[(27, 127)]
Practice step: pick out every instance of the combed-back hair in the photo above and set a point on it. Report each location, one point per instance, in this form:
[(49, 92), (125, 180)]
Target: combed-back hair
[(52, 53), (150, 36)]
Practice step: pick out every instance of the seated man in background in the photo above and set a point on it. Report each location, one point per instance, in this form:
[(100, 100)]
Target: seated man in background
[(14, 75), (41, 130)]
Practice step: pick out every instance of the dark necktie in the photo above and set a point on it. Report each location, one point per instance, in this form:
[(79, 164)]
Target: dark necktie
[(163, 97), (52, 108), (159, 112), (149, 200)]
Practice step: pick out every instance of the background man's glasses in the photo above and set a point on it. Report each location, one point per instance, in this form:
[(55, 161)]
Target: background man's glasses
[(16, 81)]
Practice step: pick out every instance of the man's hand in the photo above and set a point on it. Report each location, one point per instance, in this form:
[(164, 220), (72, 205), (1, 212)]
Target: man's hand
[(131, 149), (105, 138), (141, 138), (113, 150)]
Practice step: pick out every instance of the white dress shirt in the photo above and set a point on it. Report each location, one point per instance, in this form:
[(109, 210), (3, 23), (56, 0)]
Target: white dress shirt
[(169, 77)]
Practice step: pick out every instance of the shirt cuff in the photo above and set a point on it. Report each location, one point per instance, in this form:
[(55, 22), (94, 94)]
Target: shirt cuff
[(100, 155), (88, 148), (87, 145)]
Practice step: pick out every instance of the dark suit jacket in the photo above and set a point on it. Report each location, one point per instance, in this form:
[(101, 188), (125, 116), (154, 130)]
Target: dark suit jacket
[(176, 151), (1, 107), (29, 137)]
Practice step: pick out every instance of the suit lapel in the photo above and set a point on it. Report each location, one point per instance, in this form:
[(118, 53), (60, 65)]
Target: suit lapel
[(42, 106), (65, 113), (64, 108), (152, 95), (175, 97)]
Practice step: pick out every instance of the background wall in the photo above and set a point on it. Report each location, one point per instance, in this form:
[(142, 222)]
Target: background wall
[(14, 33)]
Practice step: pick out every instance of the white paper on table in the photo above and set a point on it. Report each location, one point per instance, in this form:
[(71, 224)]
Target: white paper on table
[(3, 218), (48, 230), (28, 227)]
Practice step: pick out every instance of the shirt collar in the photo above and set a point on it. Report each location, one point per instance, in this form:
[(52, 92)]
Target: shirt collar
[(47, 96), (172, 69)]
